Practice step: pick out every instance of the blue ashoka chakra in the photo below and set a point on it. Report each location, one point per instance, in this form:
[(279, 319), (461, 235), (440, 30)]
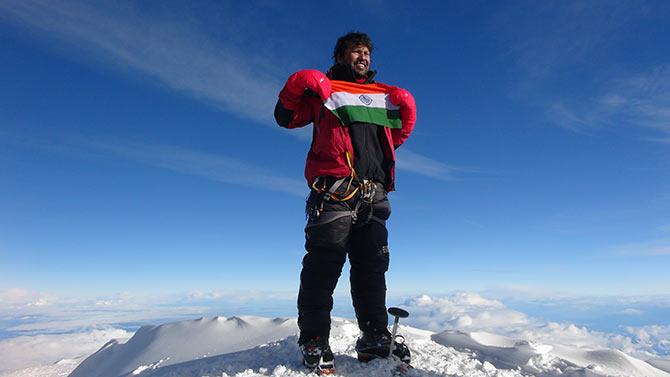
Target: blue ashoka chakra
[(365, 99)]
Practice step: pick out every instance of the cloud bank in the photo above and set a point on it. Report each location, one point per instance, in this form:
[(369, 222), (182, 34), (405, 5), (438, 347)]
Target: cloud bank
[(464, 311), (471, 312), (30, 351), (65, 328)]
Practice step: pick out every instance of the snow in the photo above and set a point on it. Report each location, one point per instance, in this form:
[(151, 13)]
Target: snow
[(469, 312), (663, 364), (60, 368), (155, 347), (29, 351), (282, 357), (258, 346), (249, 346), (547, 360)]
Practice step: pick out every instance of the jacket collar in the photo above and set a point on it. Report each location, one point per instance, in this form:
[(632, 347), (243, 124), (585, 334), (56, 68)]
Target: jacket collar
[(344, 73)]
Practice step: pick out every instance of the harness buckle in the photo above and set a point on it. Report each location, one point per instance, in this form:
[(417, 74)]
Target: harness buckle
[(368, 191)]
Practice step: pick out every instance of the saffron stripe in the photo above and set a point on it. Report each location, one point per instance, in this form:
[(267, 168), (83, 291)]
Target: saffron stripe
[(350, 87)]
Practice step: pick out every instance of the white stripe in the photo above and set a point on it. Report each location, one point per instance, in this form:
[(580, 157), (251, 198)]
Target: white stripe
[(373, 100)]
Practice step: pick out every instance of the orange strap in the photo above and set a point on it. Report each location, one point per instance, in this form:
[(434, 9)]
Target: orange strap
[(353, 177)]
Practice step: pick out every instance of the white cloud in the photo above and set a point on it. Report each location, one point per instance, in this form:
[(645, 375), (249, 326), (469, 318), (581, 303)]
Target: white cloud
[(550, 298), (471, 312), (660, 140), (416, 163), (657, 248), (181, 55), (642, 99), (465, 311), (566, 334), (237, 296), (652, 340), (171, 49), (29, 351), (19, 297), (637, 100), (580, 42), (567, 117), (631, 311), (546, 37), (524, 292), (215, 167), (68, 314), (229, 170), (94, 320)]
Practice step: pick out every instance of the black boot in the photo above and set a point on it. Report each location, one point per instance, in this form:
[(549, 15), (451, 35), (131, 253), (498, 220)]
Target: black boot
[(376, 344), (316, 354)]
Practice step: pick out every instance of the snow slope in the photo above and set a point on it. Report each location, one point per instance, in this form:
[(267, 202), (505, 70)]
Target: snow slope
[(256, 346), (543, 359), (154, 347), (57, 369)]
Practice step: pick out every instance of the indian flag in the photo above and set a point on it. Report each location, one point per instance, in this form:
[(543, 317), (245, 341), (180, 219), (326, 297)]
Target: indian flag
[(364, 103)]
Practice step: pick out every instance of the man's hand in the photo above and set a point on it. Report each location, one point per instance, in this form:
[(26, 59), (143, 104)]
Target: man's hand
[(404, 99), (308, 79)]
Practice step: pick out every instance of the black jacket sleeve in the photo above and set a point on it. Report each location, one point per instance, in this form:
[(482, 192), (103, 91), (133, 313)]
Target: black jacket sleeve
[(283, 116)]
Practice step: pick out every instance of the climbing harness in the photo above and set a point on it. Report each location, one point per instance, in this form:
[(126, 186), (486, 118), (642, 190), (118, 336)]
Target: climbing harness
[(327, 191)]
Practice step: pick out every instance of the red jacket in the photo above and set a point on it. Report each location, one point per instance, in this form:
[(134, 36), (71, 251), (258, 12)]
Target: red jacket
[(331, 140)]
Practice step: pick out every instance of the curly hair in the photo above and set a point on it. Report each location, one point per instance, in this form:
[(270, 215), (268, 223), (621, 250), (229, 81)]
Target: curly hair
[(353, 38)]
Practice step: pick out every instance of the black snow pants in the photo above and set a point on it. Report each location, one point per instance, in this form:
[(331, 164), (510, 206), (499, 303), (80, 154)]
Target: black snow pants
[(341, 228)]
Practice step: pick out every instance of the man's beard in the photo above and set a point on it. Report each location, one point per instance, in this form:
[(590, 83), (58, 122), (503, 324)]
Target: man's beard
[(359, 74)]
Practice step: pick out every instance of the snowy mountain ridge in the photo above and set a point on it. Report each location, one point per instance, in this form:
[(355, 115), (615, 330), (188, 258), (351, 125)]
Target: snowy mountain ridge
[(257, 346), (154, 347)]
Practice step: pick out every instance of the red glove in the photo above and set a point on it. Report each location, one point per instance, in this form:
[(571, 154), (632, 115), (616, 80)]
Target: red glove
[(301, 81), (404, 99)]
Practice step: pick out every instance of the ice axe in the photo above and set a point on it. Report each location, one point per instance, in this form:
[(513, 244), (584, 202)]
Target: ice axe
[(397, 313)]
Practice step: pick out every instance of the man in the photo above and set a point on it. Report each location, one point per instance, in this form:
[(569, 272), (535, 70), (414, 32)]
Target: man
[(350, 169)]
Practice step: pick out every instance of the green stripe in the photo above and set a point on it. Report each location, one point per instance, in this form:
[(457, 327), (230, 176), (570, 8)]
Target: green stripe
[(362, 114)]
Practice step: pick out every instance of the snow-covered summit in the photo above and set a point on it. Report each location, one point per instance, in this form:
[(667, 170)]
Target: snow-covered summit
[(257, 346), (154, 347)]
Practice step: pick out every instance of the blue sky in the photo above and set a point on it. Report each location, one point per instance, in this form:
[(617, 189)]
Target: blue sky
[(138, 150)]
